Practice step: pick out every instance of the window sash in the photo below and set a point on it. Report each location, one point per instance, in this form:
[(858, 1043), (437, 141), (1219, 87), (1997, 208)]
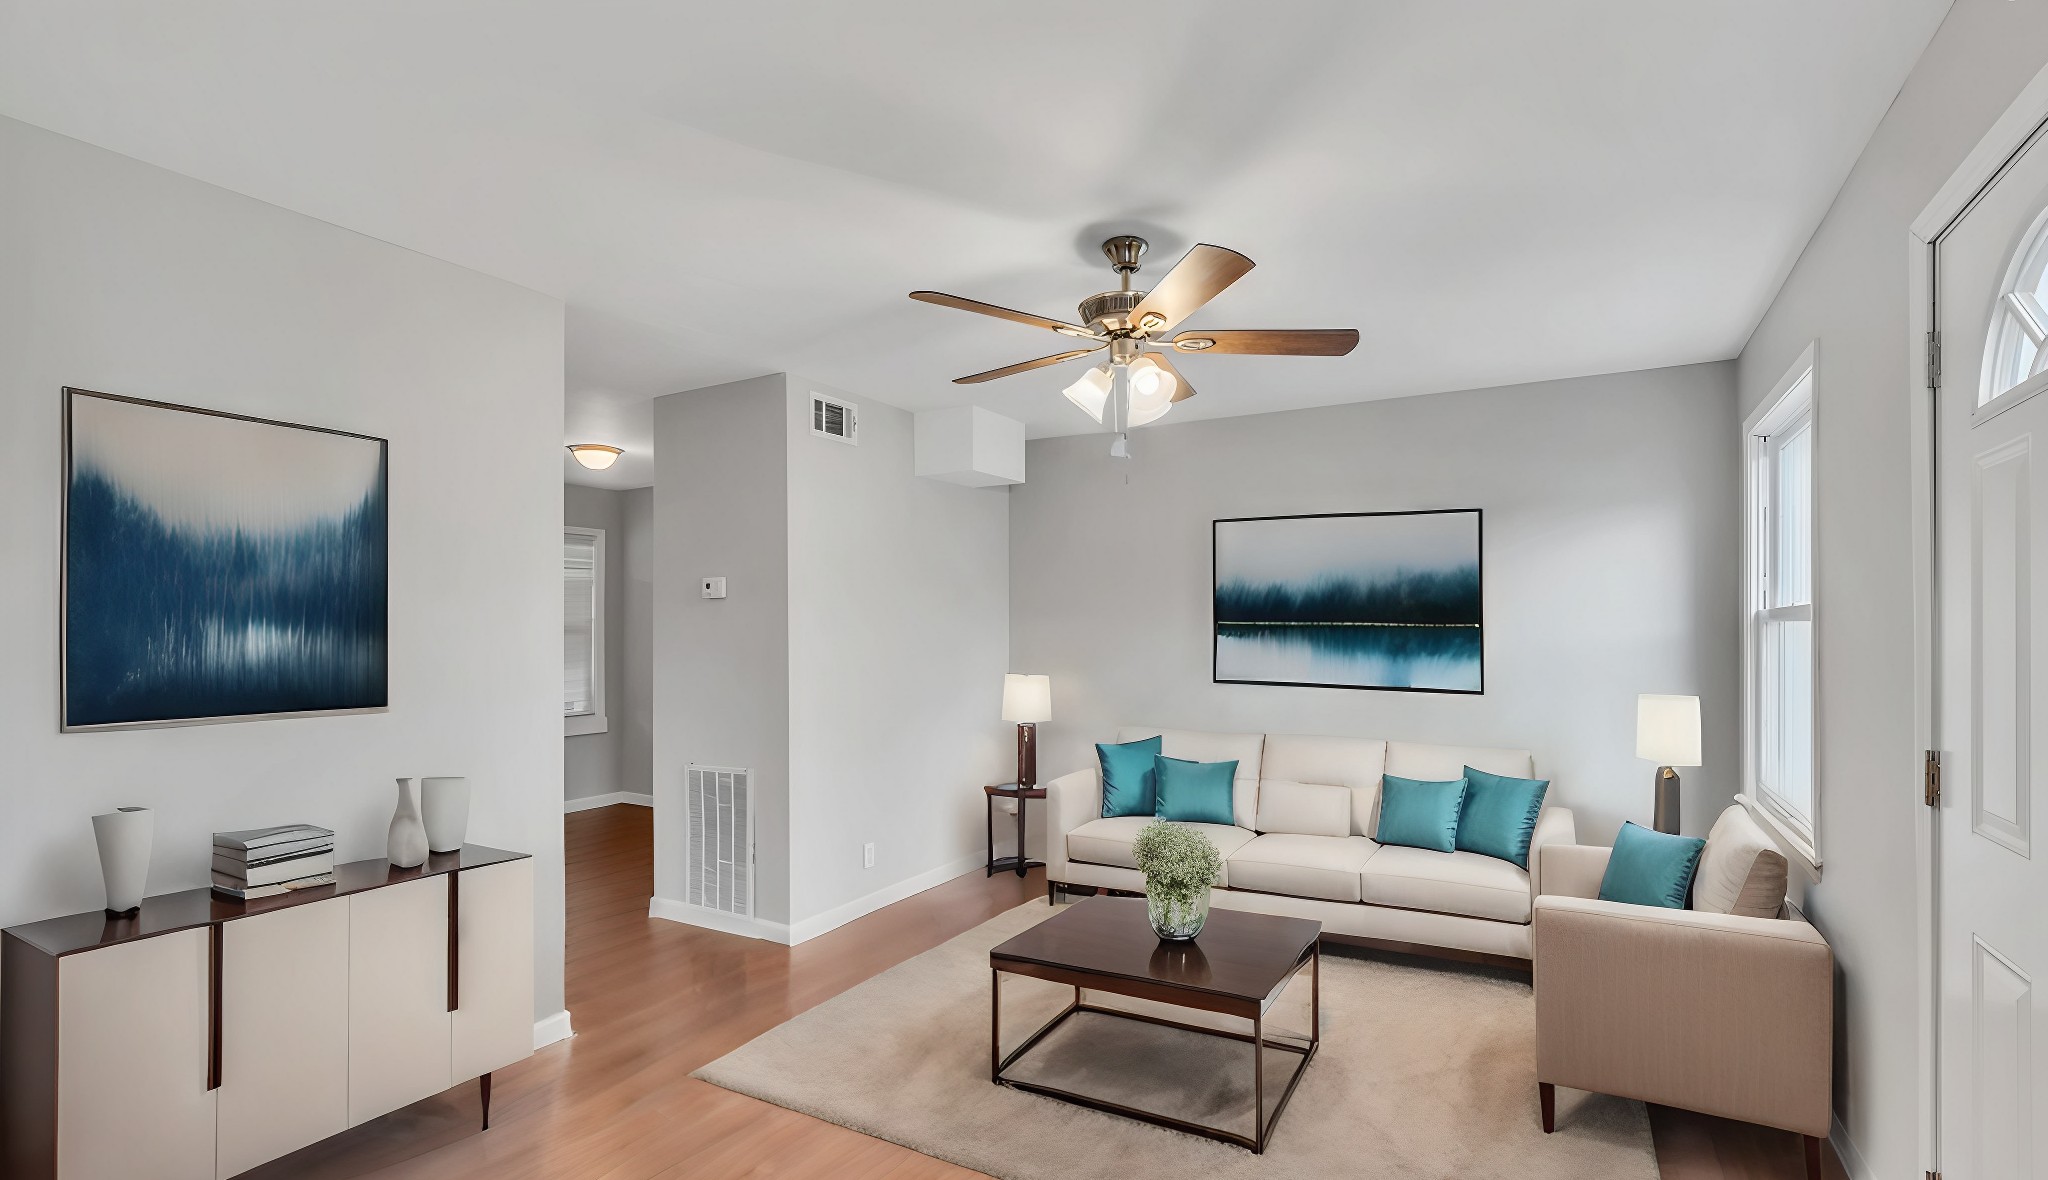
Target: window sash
[(582, 622), (1783, 672)]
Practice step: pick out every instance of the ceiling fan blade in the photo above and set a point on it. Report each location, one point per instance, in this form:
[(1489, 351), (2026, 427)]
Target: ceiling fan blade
[(941, 299), (1278, 342), (1182, 391), (1026, 366), (1200, 275)]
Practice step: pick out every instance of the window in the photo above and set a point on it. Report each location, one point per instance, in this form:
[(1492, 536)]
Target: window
[(583, 631), (2016, 350), (1778, 654)]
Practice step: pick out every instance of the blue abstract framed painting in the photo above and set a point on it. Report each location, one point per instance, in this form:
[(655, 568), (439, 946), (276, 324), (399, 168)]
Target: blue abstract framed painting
[(1388, 600), (218, 567)]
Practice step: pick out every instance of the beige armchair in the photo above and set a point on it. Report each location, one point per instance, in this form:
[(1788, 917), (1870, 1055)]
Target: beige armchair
[(1727, 1015)]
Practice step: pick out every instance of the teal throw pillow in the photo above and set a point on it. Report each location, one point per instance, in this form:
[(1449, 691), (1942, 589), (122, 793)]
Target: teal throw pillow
[(1194, 792), (1499, 815), (1420, 814), (1651, 868), (1127, 778)]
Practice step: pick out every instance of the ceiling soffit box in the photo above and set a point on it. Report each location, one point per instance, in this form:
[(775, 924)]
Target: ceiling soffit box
[(970, 446)]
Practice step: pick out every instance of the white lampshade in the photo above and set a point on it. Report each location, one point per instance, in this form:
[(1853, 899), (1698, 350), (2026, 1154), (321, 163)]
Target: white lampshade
[(1091, 392), (1027, 698), (1152, 390), (1668, 729)]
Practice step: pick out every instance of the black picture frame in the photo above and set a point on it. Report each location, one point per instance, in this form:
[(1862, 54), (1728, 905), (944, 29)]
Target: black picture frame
[(1216, 624)]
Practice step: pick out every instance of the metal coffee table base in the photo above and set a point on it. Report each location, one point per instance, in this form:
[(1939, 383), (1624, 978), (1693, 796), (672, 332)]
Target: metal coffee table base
[(1263, 1126)]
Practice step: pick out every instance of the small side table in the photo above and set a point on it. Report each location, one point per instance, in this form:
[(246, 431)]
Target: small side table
[(1020, 794)]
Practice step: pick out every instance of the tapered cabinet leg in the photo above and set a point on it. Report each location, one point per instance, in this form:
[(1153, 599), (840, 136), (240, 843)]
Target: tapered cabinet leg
[(483, 1085), (1547, 1095), (1812, 1156)]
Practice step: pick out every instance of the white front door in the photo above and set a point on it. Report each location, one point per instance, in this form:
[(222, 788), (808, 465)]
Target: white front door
[(1991, 538)]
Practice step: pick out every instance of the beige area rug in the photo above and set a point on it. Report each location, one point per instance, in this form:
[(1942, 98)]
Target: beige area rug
[(1424, 1071)]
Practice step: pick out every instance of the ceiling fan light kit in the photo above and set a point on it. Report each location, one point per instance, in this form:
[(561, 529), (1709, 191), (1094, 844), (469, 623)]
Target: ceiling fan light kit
[(1137, 384)]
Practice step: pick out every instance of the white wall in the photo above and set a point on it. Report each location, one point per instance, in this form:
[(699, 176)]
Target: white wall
[(592, 763), (118, 276), (1608, 562), (721, 667), (1848, 291), (899, 613)]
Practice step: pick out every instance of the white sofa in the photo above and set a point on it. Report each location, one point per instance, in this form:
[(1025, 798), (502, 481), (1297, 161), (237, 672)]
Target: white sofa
[(1305, 808)]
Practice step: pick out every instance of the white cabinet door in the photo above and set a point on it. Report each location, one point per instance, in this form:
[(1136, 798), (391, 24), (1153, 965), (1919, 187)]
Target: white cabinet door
[(398, 1025), (284, 1033), (132, 1045), (494, 974)]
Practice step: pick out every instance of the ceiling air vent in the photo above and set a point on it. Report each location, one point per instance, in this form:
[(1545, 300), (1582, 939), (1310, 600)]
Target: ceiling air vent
[(835, 419)]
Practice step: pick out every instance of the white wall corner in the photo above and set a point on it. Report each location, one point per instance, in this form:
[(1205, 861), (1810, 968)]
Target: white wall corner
[(670, 909), (587, 802), (860, 907), (970, 446), (1845, 1150), (548, 1030)]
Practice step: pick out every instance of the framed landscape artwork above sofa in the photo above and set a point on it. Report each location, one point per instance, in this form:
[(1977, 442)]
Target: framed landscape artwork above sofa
[(1387, 600), (218, 567)]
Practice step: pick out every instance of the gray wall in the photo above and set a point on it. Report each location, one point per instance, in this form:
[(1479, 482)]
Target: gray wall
[(633, 717), (899, 615), (1848, 291), (591, 762), (721, 667), (119, 276), (1609, 566)]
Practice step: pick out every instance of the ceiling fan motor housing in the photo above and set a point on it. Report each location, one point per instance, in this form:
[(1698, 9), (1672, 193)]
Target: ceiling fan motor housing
[(1110, 311)]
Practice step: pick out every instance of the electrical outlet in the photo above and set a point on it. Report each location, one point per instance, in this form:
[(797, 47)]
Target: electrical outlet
[(714, 587), (867, 856)]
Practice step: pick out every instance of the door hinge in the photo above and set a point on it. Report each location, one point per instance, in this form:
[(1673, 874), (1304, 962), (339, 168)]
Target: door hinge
[(1930, 785), (1934, 360)]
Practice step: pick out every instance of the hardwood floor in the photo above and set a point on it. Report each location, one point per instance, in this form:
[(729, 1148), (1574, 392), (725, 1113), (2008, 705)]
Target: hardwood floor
[(653, 1000)]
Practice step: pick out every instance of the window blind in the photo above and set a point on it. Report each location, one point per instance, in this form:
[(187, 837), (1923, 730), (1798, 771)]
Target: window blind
[(579, 624)]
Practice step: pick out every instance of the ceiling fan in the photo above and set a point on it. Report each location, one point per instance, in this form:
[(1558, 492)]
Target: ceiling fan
[(1138, 383)]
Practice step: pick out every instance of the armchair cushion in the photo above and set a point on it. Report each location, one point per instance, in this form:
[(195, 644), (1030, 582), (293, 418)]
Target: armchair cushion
[(1741, 870)]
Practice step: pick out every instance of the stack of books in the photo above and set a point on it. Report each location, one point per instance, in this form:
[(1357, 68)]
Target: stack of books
[(265, 862)]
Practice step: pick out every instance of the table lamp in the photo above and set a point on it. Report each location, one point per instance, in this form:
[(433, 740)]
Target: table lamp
[(1668, 733), (1027, 700)]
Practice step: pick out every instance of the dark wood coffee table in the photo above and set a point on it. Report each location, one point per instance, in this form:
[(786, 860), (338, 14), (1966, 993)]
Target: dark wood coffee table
[(1238, 966)]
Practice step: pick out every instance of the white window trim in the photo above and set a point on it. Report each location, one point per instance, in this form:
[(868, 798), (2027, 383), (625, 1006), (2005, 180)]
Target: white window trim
[(1799, 836), (579, 724)]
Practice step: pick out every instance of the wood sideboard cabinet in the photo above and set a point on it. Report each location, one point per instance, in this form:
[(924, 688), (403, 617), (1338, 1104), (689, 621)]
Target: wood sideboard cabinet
[(203, 1037)]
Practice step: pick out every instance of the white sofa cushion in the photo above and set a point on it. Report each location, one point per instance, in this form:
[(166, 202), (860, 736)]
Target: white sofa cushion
[(1446, 882), (1303, 810), (1195, 746), (1302, 866), (1108, 841), (1353, 763), (1441, 764)]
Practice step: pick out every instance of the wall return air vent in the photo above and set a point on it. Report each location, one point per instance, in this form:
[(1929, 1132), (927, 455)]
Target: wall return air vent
[(835, 419), (720, 868)]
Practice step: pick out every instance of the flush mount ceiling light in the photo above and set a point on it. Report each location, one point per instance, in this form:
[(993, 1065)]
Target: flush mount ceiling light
[(1139, 384), (595, 456)]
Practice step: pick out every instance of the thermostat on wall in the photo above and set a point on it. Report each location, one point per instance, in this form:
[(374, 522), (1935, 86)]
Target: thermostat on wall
[(714, 587)]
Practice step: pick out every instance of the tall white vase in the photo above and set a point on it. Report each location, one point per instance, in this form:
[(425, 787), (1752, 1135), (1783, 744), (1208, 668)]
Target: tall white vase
[(124, 837), (445, 804), (407, 846)]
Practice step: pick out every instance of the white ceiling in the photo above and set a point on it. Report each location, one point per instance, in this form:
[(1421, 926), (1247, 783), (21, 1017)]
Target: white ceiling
[(1491, 191)]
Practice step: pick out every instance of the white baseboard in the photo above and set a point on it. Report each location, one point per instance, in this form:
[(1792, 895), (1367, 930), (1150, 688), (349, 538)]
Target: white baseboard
[(812, 927), (860, 907), (1845, 1150), (586, 802), (690, 915), (554, 1028)]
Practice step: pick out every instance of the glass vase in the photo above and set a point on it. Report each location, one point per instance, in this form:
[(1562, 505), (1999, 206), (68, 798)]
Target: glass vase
[(1177, 917)]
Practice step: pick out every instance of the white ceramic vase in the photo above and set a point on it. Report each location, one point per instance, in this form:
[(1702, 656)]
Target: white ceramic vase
[(124, 837), (445, 804), (407, 846)]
